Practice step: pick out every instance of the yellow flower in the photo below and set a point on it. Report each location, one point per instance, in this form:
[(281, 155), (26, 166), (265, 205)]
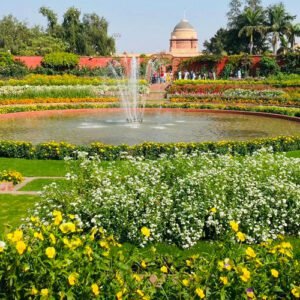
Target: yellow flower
[(50, 252), (140, 293), (44, 292), (188, 262), (200, 293), (57, 217), (34, 291), (146, 231), (224, 280), (21, 247), (143, 264), (38, 235), (95, 289), (119, 295), (73, 278), (246, 275), (67, 227), (250, 252), (296, 292), (274, 273), (16, 236), (105, 253), (88, 250), (137, 277), (52, 238), (234, 226), (185, 282), (213, 210), (250, 294), (104, 244), (241, 236), (164, 269)]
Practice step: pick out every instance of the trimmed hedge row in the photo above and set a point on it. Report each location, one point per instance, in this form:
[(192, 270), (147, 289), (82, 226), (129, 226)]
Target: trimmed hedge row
[(287, 111), (59, 150)]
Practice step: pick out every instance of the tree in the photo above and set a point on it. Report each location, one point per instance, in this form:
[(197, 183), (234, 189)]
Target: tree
[(72, 30), (292, 31), (254, 4), (53, 28), (13, 34), (234, 12), (97, 40), (253, 23), (278, 23)]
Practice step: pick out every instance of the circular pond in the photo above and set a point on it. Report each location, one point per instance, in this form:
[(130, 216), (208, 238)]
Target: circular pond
[(160, 125)]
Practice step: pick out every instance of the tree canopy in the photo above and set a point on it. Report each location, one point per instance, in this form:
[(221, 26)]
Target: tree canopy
[(85, 34), (254, 29)]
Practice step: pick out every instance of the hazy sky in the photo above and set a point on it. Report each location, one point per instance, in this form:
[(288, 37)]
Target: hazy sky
[(144, 26)]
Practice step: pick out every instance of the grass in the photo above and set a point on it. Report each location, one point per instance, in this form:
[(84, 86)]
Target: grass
[(295, 154), (32, 168), (38, 184), (13, 209)]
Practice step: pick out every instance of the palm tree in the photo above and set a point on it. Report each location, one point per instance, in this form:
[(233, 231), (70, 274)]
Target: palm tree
[(252, 23), (278, 23), (293, 31)]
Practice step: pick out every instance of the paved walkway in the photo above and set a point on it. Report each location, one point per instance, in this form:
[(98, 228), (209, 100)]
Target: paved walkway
[(16, 189)]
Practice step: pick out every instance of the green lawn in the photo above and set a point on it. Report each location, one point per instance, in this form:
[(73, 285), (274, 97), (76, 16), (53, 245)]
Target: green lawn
[(294, 154), (38, 184), (31, 168), (13, 208)]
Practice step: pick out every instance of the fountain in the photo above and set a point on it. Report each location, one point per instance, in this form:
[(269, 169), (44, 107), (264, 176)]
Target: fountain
[(128, 84)]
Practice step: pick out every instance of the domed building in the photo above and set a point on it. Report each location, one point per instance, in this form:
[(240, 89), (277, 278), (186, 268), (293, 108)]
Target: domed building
[(184, 40)]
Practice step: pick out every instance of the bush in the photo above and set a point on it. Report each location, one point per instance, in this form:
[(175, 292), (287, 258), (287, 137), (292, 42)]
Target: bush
[(6, 59), (16, 70), (174, 195), (60, 61), (268, 66), (59, 150), (11, 176)]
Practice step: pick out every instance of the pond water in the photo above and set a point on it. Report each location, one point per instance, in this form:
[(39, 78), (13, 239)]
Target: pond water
[(159, 125)]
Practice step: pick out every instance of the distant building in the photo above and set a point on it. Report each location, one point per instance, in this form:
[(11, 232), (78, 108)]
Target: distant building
[(184, 40)]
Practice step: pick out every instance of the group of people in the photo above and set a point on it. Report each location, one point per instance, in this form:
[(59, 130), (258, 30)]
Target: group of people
[(186, 75), (162, 77), (167, 77)]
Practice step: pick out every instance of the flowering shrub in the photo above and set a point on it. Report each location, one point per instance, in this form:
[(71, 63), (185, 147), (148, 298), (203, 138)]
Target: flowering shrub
[(11, 176), (61, 91), (182, 198), (58, 150), (243, 93), (59, 261), (103, 99), (66, 79)]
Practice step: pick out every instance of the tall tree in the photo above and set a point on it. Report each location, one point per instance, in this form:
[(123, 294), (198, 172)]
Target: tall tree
[(253, 23), (254, 4), (97, 40), (13, 34), (235, 10), (72, 30), (52, 28), (278, 23), (292, 31)]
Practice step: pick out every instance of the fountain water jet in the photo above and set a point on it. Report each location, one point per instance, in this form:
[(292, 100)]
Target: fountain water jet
[(128, 84)]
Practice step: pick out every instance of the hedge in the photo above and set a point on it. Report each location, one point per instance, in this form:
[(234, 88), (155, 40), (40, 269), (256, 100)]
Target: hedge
[(59, 150)]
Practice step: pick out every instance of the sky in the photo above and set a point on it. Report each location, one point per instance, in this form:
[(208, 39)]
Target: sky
[(141, 26)]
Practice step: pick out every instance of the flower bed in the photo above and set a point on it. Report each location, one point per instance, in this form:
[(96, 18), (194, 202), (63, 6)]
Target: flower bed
[(11, 176), (61, 262), (58, 150), (61, 91), (36, 80), (182, 198), (104, 99)]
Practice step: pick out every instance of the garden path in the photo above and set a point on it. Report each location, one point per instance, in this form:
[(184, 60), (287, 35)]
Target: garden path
[(16, 189)]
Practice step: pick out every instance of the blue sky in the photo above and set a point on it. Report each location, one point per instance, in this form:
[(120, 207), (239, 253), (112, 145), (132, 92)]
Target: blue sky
[(144, 25)]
